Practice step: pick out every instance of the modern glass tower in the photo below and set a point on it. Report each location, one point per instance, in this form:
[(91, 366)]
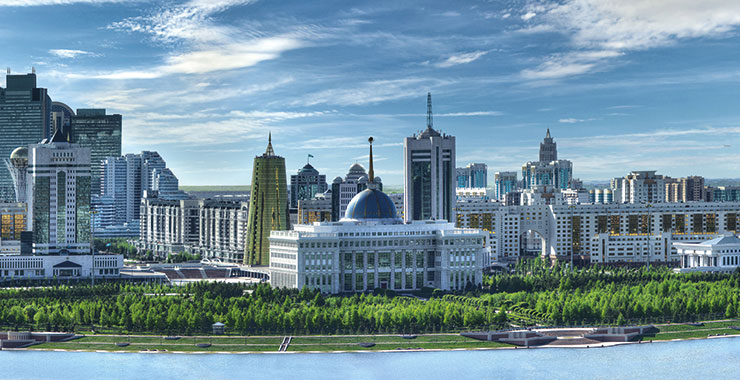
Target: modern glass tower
[(268, 206), (429, 171), (102, 134), (25, 118)]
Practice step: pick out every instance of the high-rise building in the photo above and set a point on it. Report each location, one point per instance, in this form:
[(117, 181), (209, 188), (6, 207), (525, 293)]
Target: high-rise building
[(343, 190), (25, 118), (641, 187), (307, 183), (59, 197), (472, 176), (548, 171), (124, 180), (504, 183), (429, 172), (101, 133), (548, 149), (268, 206)]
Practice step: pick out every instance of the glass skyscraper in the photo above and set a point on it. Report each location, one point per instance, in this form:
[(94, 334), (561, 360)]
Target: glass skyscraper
[(429, 171), (268, 206), (25, 118), (102, 134)]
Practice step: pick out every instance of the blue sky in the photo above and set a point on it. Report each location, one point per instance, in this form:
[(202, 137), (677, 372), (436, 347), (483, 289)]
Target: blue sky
[(622, 85)]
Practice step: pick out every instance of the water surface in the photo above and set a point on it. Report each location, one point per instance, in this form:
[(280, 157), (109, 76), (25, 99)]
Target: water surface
[(697, 359)]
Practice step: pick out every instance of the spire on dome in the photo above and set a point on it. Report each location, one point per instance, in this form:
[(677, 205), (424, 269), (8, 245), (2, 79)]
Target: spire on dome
[(269, 151), (371, 172)]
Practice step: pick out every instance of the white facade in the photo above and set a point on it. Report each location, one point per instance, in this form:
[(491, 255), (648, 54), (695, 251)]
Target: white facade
[(717, 255), (601, 233), (15, 267), (642, 187), (59, 197), (361, 256)]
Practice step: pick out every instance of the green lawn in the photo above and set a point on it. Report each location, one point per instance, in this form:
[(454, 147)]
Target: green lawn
[(266, 344)]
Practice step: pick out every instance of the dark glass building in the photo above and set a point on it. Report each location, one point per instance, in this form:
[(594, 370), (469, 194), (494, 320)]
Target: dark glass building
[(25, 118), (102, 134)]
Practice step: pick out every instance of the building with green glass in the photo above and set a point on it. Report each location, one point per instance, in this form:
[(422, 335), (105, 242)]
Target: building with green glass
[(58, 186), (268, 206), (102, 134)]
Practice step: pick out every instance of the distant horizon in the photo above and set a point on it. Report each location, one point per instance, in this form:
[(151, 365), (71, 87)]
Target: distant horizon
[(621, 85)]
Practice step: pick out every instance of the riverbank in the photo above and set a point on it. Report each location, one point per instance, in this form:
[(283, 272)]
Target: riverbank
[(354, 343)]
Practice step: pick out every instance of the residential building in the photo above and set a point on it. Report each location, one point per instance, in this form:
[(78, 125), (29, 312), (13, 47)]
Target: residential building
[(307, 183), (642, 187), (268, 207), (429, 186), (25, 118), (91, 127), (316, 209), (504, 183), (472, 176)]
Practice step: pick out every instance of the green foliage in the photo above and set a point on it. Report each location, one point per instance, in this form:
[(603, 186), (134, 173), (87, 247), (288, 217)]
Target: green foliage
[(191, 309), (545, 294)]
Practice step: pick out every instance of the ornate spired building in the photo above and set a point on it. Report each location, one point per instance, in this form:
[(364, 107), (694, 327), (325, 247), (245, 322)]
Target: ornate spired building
[(268, 206), (548, 172), (371, 247)]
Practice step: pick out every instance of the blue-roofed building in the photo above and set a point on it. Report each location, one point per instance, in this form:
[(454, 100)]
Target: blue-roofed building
[(371, 247)]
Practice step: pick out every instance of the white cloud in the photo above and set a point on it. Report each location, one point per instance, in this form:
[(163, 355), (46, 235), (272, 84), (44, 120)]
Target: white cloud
[(208, 45), (36, 3), (570, 120), (460, 59), (372, 92), (529, 15), (69, 53), (603, 30)]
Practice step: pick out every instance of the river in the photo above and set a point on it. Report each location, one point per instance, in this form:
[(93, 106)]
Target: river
[(696, 359)]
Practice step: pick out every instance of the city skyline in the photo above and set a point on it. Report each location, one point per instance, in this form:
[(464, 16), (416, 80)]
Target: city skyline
[(620, 86)]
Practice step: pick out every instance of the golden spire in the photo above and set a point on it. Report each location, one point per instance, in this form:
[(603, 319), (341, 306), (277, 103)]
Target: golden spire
[(371, 172), (269, 151)]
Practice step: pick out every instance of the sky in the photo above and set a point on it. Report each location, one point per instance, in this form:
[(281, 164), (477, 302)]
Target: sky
[(622, 85)]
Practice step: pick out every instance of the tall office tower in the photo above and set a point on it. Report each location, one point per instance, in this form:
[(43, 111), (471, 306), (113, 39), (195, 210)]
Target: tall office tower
[(472, 176), (17, 164), (504, 183), (59, 197), (343, 190), (101, 133), (307, 183), (25, 118), (548, 148), (268, 206), (429, 172), (548, 171)]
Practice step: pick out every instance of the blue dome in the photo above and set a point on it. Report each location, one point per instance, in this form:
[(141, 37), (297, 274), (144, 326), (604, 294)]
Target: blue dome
[(371, 204)]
